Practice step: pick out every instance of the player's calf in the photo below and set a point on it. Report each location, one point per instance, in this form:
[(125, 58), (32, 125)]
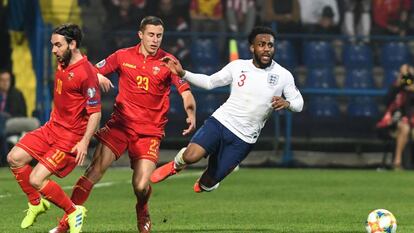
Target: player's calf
[(143, 216)]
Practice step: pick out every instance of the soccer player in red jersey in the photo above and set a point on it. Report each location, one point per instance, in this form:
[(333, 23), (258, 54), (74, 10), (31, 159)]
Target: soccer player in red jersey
[(139, 117), (62, 142)]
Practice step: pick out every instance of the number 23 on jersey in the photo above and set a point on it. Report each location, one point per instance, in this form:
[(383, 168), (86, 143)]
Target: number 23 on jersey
[(142, 82)]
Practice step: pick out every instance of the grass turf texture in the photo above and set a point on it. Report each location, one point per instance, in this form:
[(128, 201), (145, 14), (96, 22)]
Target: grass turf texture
[(250, 200)]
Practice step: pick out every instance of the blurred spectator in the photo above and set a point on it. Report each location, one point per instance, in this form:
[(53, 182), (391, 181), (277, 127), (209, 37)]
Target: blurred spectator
[(319, 16), (12, 104), (5, 61), (208, 16), (390, 17), (241, 15), (121, 19), (284, 13), (357, 18), (399, 116), (174, 21)]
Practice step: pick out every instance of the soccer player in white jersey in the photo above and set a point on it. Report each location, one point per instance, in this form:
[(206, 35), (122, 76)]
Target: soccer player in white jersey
[(258, 87)]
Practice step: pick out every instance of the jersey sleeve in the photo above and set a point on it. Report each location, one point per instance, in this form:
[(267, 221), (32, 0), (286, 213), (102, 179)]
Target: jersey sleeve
[(218, 79), (109, 64), (293, 95), (91, 91), (179, 83)]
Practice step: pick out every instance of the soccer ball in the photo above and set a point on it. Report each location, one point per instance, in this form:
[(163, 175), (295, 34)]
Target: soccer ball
[(381, 221)]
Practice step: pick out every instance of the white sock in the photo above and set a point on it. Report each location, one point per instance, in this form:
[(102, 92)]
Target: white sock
[(179, 162)]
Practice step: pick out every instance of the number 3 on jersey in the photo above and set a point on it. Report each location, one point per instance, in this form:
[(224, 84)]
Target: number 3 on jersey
[(142, 82), (242, 78)]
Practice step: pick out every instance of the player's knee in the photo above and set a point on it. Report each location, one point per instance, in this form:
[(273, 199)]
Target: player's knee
[(12, 159), (140, 188)]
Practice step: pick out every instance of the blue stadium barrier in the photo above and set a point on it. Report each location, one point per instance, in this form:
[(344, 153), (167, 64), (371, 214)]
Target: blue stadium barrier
[(363, 106), (322, 77), (205, 52), (318, 53), (286, 54), (359, 78), (357, 55), (323, 106), (390, 75), (394, 54), (243, 47)]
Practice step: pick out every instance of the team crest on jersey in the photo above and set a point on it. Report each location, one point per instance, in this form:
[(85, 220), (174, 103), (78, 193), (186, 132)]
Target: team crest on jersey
[(101, 63), (272, 79), (91, 92), (155, 70), (71, 75)]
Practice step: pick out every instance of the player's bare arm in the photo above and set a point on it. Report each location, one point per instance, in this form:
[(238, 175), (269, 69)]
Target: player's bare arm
[(190, 108), (81, 147), (105, 83)]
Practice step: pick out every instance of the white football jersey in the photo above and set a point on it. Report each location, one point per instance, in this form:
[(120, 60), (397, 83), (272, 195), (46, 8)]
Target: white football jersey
[(249, 106)]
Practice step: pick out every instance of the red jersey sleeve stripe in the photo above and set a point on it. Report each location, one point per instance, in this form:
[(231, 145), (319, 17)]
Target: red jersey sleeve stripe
[(91, 110), (183, 88)]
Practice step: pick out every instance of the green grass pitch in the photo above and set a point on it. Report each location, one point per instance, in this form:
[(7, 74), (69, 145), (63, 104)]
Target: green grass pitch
[(250, 200)]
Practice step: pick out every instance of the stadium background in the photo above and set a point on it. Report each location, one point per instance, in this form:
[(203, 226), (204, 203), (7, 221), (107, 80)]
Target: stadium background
[(343, 83)]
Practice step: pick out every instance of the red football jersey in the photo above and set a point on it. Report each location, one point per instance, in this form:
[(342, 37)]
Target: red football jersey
[(76, 96), (144, 86)]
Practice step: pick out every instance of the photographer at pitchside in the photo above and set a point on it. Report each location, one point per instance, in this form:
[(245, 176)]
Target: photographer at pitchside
[(399, 117)]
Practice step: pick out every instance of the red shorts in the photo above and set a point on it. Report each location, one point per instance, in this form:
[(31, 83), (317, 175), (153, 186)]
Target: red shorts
[(45, 146), (118, 139)]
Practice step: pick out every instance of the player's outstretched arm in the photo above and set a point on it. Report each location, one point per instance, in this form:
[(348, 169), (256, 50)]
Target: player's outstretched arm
[(190, 108), (208, 82), (81, 148)]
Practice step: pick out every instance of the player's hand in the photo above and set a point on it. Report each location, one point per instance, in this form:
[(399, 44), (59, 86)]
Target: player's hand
[(104, 83), (191, 125), (174, 65), (81, 149), (278, 103)]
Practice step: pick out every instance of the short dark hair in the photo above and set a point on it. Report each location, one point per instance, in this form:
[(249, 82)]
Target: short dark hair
[(152, 20), (260, 30), (71, 32), (12, 78), (327, 12)]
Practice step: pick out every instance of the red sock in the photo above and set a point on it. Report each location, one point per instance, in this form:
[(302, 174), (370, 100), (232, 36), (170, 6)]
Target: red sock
[(143, 201), (22, 176), (55, 194), (81, 190)]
